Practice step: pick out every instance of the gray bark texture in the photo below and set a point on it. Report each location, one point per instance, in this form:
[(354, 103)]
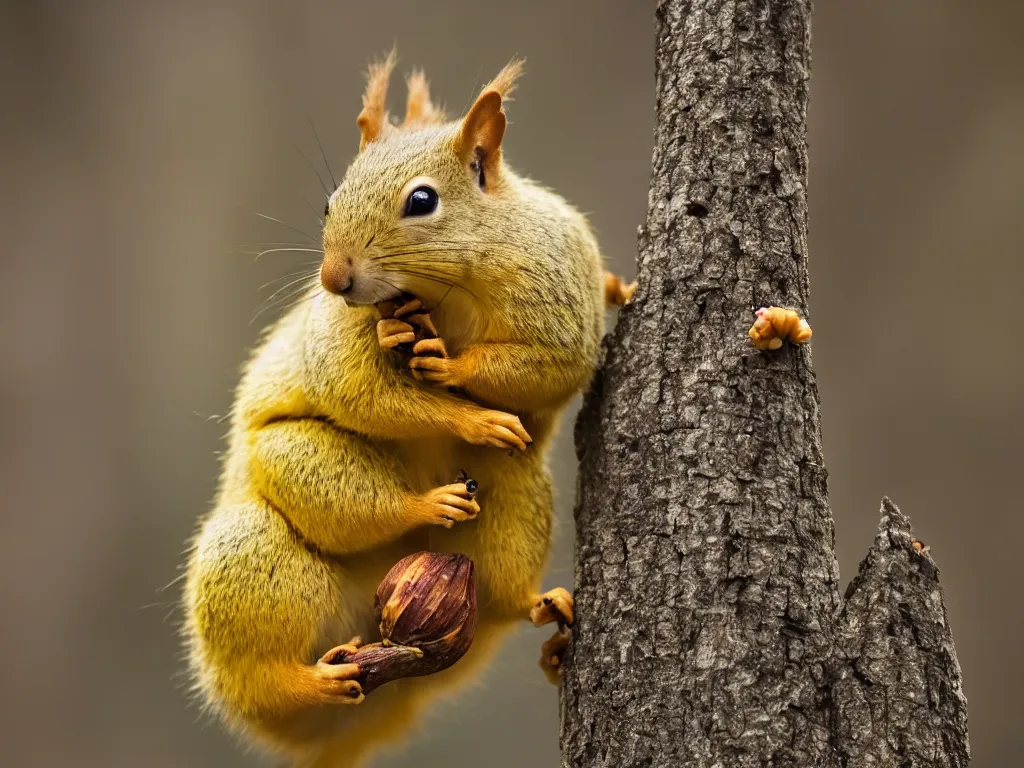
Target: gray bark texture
[(898, 698), (710, 630)]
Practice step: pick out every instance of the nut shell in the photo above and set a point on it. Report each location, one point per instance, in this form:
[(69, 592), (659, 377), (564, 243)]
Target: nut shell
[(426, 608), (428, 601)]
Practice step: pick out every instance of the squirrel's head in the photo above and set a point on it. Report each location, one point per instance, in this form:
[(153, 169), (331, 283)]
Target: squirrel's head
[(422, 200)]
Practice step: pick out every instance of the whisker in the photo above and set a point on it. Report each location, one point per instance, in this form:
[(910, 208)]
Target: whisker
[(292, 300), (387, 256), (438, 305), (305, 283), (256, 250), (313, 168), (388, 282), (285, 224), (293, 278), (271, 244), (482, 244), (418, 247), (287, 250), (433, 278), (425, 266), (313, 211), (398, 258), (393, 260), (322, 153)]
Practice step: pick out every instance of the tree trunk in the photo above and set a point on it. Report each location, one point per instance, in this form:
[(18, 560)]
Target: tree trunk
[(709, 629)]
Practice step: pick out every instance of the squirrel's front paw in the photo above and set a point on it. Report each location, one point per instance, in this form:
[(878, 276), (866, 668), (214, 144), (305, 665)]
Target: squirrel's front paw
[(446, 505), (403, 324), (775, 324), (496, 429), (431, 363), (392, 332)]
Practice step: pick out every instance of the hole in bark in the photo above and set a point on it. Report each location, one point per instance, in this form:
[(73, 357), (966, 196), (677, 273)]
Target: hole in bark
[(864, 679), (763, 124), (696, 209)]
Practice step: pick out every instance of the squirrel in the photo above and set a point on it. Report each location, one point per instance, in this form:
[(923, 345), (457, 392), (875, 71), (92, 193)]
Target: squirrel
[(345, 446)]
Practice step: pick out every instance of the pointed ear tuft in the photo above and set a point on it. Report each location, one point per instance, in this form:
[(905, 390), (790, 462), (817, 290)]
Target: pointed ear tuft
[(505, 82), (373, 120), (483, 127), (419, 110)]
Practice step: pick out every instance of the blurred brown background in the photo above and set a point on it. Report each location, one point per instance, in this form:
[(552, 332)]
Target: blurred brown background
[(140, 138)]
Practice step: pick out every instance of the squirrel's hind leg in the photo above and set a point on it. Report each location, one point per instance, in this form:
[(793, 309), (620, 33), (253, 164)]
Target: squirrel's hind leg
[(257, 601)]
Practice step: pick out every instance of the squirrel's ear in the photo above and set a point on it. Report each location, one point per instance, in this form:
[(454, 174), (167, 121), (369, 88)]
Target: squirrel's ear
[(484, 125), (373, 120), (482, 131)]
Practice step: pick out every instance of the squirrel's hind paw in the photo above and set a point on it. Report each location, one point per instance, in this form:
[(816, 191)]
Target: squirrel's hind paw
[(617, 292), (555, 605), (552, 652), (337, 683), (775, 324)]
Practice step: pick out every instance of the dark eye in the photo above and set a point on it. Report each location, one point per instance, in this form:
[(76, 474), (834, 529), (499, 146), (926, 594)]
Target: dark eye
[(422, 200)]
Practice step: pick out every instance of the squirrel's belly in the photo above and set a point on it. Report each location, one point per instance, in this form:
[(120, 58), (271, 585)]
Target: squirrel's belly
[(428, 463)]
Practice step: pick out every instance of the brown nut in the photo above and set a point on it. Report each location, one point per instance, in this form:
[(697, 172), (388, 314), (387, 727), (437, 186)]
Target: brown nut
[(426, 607), (428, 601)]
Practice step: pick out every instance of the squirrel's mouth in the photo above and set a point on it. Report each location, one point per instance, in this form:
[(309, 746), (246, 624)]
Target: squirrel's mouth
[(355, 284), (367, 290)]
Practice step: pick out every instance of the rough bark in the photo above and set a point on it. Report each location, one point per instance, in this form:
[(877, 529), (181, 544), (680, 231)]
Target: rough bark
[(898, 697), (707, 595)]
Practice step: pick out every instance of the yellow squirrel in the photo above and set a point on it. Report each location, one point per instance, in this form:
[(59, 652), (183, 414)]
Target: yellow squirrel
[(343, 452)]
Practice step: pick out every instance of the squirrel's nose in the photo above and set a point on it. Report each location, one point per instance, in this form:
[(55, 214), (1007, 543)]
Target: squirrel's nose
[(336, 275)]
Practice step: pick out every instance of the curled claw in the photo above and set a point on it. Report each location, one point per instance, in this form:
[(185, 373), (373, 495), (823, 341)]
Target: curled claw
[(430, 347), (552, 653), (495, 429), (449, 504), (387, 308), (507, 431), (337, 680), (410, 306), (391, 333), (556, 605), (339, 653), (422, 321), (437, 370)]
